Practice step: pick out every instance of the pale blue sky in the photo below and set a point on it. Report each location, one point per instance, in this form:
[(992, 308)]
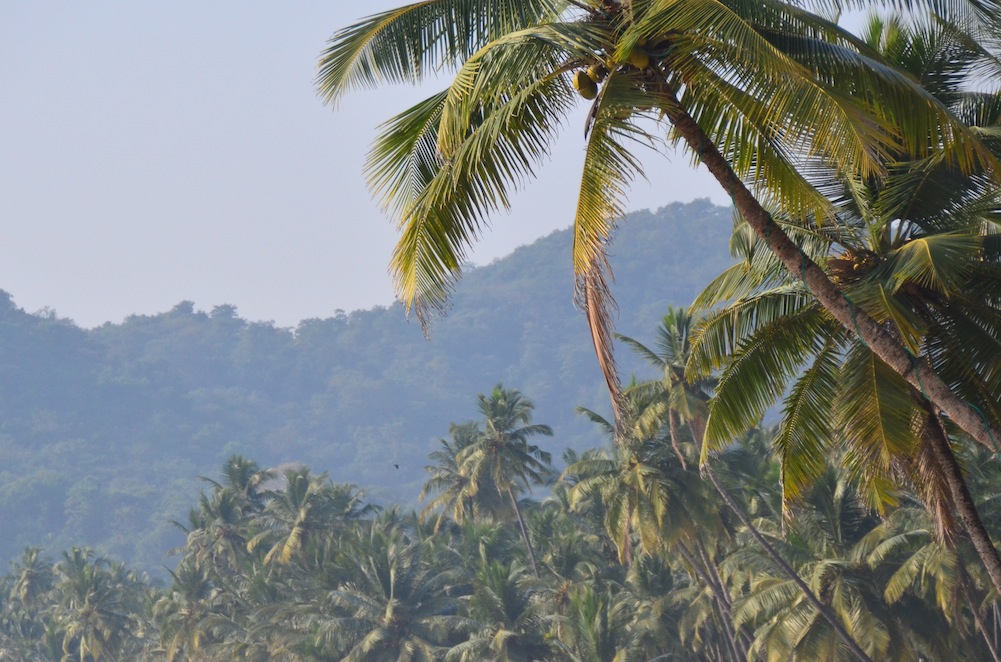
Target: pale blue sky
[(156, 152)]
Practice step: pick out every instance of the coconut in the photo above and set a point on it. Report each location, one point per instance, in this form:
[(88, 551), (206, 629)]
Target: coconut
[(584, 85), (597, 72), (638, 58)]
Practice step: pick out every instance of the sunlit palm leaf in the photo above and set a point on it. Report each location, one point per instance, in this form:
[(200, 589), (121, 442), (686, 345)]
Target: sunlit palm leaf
[(408, 43)]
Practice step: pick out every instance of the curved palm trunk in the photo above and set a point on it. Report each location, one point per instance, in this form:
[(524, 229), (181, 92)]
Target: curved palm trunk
[(935, 436), (744, 638), (672, 422), (737, 647), (524, 531), (971, 601), (853, 319), (849, 641)]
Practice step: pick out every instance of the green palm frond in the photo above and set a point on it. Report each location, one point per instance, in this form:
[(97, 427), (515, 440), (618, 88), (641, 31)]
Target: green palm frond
[(643, 351), (489, 78), (806, 433), (714, 37), (408, 43), (877, 299), (722, 331), (941, 262), (404, 158), (964, 351), (878, 415), (439, 226), (756, 377), (758, 269)]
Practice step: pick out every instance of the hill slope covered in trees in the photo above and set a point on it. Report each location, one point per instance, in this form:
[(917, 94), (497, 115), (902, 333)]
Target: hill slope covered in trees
[(102, 431)]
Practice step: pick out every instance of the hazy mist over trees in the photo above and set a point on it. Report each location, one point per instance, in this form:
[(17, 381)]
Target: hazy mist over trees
[(103, 431)]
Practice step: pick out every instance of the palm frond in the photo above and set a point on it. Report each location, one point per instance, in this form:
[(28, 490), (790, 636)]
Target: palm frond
[(806, 434), (878, 416), (501, 150), (941, 262), (408, 43), (761, 367)]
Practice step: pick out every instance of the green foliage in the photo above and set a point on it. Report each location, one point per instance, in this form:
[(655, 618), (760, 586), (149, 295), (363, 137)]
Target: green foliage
[(289, 566)]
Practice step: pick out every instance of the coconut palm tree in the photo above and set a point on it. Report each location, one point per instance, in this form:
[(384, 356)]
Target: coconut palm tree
[(511, 619), (918, 251), (189, 616), (501, 460), (244, 477), (395, 606), (646, 490), (306, 506), (829, 541), (641, 491), (657, 410), (597, 628), (455, 498), (924, 574), (767, 96), (675, 397), (98, 607)]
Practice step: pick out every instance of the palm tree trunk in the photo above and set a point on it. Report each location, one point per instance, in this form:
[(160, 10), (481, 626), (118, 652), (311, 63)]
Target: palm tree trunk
[(853, 319), (744, 637), (524, 531), (730, 639), (722, 599), (935, 436), (672, 424), (853, 645), (971, 601)]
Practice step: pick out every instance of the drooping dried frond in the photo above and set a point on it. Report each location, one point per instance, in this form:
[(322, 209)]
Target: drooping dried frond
[(609, 168)]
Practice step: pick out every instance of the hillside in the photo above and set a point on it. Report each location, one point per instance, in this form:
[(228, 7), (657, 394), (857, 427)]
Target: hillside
[(103, 431)]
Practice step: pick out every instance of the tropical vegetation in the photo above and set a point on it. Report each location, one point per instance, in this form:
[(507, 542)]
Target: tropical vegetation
[(629, 552), (864, 303)]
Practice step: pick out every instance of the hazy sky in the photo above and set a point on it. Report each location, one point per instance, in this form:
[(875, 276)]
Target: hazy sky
[(153, 152)]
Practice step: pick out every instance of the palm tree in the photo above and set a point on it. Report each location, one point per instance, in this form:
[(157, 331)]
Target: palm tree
[(218, 529), (245, 478), (644, 489), (511, 619), (675, 397), (455, 497), (830, 542), (918, 252), (924, 574), (641, 491), (762, 95), (99, 605), (395, 605), (597, 628), (304, 507), (189, 615), (501, 459), (33, 577), (658, 411)]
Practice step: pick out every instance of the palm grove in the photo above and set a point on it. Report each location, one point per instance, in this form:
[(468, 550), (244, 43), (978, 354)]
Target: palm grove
[(863, 174)]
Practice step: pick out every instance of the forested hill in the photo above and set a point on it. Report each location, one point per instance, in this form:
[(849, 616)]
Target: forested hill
[(103, 431)]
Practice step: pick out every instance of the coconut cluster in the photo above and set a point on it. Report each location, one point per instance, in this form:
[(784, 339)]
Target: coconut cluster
[(586, 81)]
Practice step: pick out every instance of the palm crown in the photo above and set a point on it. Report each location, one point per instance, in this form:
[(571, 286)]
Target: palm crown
[(769, 96)]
